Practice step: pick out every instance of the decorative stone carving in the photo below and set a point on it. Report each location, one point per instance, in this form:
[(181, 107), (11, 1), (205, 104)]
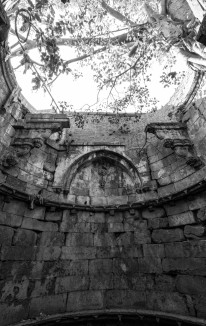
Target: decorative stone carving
[(52, 122), (170, 130), (9, 160), (175, 137), (35, 198), (23, 146), (68, 143), (31, 132), (184, 148)]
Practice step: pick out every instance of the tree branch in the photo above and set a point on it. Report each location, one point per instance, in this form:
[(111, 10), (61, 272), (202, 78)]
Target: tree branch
[(85, 56), (116, 14), (196, 8), (124, 38)]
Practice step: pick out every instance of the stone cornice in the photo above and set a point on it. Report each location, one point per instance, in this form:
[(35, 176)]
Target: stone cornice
[(137, 314), (191, 185)]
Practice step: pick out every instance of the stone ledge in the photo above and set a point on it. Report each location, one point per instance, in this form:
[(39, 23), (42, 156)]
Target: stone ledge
[(139, 313), (190, 185)]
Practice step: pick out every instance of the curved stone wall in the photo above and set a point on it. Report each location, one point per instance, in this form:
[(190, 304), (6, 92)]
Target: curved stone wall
[(101, 216)]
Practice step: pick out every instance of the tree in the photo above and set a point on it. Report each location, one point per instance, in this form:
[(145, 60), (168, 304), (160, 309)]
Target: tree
[(118, 39)]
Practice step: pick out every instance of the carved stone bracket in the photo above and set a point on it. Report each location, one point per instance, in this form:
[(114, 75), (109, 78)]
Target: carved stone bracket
[(175, 136), (52, 122), (170, 130), (20, 147), (30, 132), (9, 159), (24, 145)]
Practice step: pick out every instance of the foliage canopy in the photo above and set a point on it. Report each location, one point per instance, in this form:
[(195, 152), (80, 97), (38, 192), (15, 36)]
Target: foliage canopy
[(119, 39)]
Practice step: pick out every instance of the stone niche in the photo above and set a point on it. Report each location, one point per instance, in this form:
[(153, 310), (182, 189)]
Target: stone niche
[(100, 173)]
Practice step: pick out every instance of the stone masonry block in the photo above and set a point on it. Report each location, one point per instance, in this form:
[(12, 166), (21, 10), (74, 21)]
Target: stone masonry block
[(63, 268), (99, 266), (42, 287), (123, 266), (71, 283), (192, 266), (197, 201), (104, 239), (156, 213), (194, 231), (47, 305), (33, 224), (98, 227), (126, 239), (79, 239), (193, 285), (98, 201), (101, 281), (167, 302), (70, 223), (82, 216), (132, 251), (10, 219), (135, 281), (158, 223), (85, 300), (6, 235), (25, 238), (53, 216), (125, 299), (181, 219), (18, 253), (115, 227), (132, 224), (13, 313), (186, 249), (200, 303), (38, 212), (164, 283), (116, 218), (78, 253), (15, 207), (201, 214), (162, 235), (98, 217), (48, 253), (142, 236), (150, 265), (17, 270), (48, 239), (177, 207), (154, 250), (13, 290)]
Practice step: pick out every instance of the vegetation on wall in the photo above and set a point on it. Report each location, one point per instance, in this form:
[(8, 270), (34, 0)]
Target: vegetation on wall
[(119, 40)]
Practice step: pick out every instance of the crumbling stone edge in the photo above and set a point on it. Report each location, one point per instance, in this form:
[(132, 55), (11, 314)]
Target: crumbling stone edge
[(156, 200), (140, 314)]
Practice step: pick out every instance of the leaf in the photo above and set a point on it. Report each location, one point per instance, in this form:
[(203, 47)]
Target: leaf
[(31, 4), (37, 17), (52, 10)]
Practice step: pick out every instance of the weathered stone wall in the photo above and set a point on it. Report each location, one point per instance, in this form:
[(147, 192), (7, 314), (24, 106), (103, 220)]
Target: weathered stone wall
[(59, 260), (195, 118), (92, 220)]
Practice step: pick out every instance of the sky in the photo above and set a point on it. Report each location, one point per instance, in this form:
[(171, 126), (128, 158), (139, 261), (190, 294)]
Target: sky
[(83, 91)]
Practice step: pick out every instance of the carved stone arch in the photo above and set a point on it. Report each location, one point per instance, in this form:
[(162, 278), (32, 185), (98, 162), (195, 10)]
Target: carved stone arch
[(117, 160)]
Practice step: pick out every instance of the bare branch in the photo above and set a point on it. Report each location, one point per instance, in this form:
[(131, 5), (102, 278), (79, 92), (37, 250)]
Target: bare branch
[(85, 56), (116, 14)]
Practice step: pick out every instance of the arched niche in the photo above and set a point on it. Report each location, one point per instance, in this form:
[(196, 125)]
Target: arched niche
[(101, 172)]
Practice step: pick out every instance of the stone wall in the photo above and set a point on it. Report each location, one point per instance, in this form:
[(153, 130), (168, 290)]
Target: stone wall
[(56, 260), (109, 214)]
